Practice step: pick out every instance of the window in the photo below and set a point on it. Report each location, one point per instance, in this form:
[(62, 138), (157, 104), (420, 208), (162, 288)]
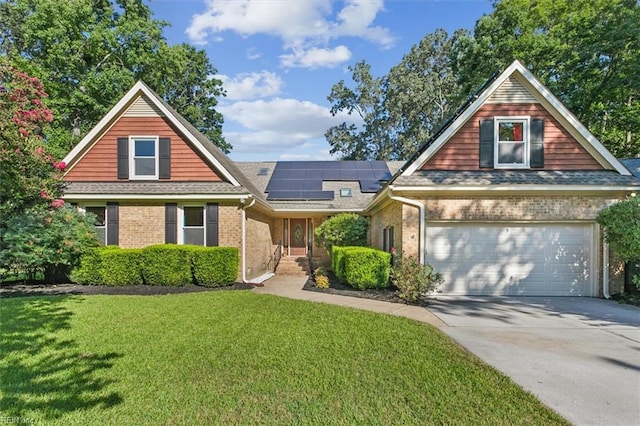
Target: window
[(387, 239), (193, 225), (345, 192), (512, 142), (100, 223), (144, 157)]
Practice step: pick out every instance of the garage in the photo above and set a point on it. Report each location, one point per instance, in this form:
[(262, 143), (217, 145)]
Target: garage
[(513, 258)]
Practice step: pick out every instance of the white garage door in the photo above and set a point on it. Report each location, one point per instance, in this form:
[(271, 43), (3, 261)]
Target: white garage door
[(513, 259)]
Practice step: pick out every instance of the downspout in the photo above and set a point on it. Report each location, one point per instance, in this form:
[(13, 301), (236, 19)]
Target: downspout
[(605, 270), (422, 237), (244, 238)]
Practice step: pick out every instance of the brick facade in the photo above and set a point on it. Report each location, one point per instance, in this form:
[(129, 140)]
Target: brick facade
[(140, 225), (514, 208), (261, 242)]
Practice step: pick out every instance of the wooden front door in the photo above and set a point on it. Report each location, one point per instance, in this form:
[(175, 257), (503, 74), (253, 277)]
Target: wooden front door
[(298, 237)]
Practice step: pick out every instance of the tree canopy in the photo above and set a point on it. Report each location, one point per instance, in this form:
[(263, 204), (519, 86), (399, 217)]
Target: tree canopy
[(587, 52), (88, 53)]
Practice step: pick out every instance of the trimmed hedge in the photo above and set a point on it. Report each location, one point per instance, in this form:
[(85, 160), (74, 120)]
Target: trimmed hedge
[(361, 267), (165, 264), (121, 267), (214, 268), (88, 270)]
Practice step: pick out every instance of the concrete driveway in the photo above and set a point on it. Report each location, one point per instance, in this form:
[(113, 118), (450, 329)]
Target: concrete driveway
[(579, 356)]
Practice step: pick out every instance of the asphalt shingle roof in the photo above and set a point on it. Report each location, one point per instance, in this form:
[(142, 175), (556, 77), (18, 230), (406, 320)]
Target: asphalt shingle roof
[(153, 188), (516, 177)]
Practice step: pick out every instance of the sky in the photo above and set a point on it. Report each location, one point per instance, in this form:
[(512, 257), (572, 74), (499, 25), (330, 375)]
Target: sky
[(278, 59)]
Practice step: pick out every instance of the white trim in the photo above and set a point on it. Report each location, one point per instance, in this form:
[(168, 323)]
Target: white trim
[(132, 157), (558, 110), (181, 224), (119, 109), (116, 197), (83, 208), (332, 211), (526, 140)]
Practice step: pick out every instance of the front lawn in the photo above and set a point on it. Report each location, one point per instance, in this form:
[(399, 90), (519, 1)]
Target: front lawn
[(239, 357)]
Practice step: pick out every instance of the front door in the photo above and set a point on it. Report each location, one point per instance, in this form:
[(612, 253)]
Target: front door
[(298, 237)]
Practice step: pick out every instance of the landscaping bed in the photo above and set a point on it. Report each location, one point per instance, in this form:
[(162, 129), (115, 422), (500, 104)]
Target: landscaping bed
[(36, 289), (389, 294)]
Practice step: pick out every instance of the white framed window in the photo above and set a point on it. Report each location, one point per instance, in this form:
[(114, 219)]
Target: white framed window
[(144, 157), (100, 212), (193, 225), (511, 136)]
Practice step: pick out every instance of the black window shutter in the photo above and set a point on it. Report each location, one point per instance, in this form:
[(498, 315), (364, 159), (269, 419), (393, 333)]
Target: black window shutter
[(391, 238), (165, 158), (537, 143), (123, 158), (212, 225), (112, 224), (385, 239), (486, 143), (171, 223)]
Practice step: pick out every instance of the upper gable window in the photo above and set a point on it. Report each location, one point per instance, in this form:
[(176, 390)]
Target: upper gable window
[(511, 142), (144, 157)]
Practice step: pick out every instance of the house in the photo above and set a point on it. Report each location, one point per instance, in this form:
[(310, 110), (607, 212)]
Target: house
[(502, 199)]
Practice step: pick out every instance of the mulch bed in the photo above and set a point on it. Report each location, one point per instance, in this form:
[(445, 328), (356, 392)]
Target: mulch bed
[(19, 290), (388, 294)]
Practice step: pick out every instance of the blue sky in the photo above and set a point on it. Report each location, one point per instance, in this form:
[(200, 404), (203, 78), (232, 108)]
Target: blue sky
[(278, 59)]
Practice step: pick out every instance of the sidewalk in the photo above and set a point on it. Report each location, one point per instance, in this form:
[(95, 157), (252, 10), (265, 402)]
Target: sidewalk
[(291, 287)]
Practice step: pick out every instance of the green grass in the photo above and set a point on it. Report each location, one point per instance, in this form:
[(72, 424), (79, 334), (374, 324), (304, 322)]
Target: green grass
[(240, 358)]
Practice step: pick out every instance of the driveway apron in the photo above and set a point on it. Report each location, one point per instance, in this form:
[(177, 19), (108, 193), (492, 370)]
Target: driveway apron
[(579, 356)]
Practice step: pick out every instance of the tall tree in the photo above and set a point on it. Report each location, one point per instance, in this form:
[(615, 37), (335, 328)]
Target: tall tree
[(400, 110), (89, 52), (29, 176), (586, 51)]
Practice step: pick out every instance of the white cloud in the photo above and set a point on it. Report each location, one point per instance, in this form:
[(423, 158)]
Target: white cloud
[(251, 85), (278, 124), (301, 25), (316, 57), (253, 54)]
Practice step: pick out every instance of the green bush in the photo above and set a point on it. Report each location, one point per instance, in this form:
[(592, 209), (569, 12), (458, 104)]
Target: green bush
[(88, 270), (166, 264), (214, 266), (343, 229), (413, 280), (366, 268), (337, 261), (121, 267)]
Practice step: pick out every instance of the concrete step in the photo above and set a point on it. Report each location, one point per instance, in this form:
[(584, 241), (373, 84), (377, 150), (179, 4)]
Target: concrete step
[(293, 266)]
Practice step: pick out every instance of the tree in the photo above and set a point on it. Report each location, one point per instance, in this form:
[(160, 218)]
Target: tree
[(88, 53), (586, 51), (343, 229), (400, 110), (621, 222), (29, 176)]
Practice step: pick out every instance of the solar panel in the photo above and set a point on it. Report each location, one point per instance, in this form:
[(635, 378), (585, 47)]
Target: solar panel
[(302, 180)]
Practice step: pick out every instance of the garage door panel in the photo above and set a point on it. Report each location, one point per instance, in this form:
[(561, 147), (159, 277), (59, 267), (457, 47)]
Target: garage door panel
[(512, 259)]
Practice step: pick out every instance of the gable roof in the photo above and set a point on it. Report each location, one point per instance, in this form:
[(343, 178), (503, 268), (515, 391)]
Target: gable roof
[(211, 153), (541, 93)]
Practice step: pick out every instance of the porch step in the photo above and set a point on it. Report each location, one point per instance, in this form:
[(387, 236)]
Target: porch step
[(293, 266)]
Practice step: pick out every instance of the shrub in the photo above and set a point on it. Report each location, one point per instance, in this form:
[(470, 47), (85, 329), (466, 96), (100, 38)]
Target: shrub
[(88, 270), (622, 230), (321, 278), (121, 267), (366, 268), (214, 266), (45, 241), (337, 261), (344, 229), (166, 264), (413, 280)]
